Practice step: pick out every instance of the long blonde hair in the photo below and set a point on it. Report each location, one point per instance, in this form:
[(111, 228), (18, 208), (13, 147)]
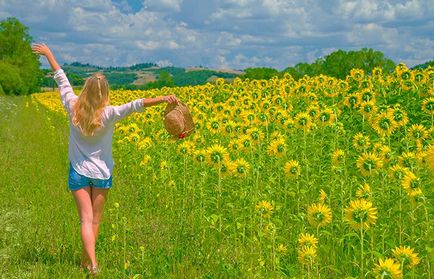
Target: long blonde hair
[(88, 109)]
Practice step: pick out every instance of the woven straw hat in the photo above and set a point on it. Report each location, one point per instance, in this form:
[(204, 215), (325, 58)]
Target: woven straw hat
[(178, 121)]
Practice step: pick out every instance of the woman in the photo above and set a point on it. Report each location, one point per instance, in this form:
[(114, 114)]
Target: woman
[(91, 125)]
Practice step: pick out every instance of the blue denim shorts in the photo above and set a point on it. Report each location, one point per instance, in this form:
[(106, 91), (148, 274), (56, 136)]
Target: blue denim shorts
[(77, 181)]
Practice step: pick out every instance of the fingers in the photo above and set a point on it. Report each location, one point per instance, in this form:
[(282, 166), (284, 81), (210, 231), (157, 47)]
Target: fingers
[(171, 99), (40, 48)]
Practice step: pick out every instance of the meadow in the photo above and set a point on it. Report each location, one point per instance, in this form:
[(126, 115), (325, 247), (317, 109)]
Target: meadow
[(311, 178)]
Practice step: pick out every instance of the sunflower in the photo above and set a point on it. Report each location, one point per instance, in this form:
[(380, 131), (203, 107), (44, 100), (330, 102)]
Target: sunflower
[(408, 160), (200, 155), (338, 157), (186, 148), (384, 124), (228, 128), (307, 255), (146, 160), (397, 172), (303, 121), (352, 101), (281, 249), (361, 142), (217, 154), (428, 106), (319, 215), (406, 256), (245, 142), (264, 208), (277, 148), (239, 167), (388, 269), (383, 151), (366, 96), (255, 134), (364, 192), (307, 240), (399, 115), (417, 132), (368, 163), (368, 108), (327, 116), (360, 214), (322, 196), (213, 125), (357, 74), (429, 157), (410, 182), (292, 169), (313, 111)]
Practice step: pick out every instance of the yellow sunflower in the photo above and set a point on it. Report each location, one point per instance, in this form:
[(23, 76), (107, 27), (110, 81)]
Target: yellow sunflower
[(369, 163), (397, 172), (327, 116), (277, 148), (307, 255), (368, 109), (239, 167), (360, 214), (264, 208), (428, 106), (292, 169), (388, 269), (364, 192), (383, 124), (303, 121), (338, 157), (307, 240), (217, 154), (361, 142), (357, 74), (406, 256), (319, 215), (417, 132)]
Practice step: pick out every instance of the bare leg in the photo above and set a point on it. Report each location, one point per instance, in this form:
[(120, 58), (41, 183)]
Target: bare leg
[(84, 206), (99, 196)]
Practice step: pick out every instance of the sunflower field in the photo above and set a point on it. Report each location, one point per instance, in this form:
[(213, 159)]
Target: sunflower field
[(282, 178)]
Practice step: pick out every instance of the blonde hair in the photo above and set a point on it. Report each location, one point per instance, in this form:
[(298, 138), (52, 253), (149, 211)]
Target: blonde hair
[(88, 109)]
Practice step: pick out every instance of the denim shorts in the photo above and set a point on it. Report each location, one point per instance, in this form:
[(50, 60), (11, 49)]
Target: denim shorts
[(77, 181)]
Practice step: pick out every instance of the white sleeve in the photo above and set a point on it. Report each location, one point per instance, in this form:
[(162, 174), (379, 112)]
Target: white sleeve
[(65, 90), (119, 112)]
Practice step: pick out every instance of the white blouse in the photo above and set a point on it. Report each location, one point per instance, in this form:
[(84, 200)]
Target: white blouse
[(91, 156)]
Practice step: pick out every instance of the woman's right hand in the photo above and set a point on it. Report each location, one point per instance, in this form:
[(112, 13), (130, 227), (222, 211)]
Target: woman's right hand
[(171, 99), (41, 49)]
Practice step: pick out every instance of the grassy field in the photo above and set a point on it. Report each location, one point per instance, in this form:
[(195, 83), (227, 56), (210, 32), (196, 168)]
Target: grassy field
[(315, 178)]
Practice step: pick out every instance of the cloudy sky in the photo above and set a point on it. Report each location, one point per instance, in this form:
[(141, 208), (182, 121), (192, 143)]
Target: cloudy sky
[(226, 33)]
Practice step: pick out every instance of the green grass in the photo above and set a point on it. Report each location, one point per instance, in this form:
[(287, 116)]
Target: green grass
[(154, 233)]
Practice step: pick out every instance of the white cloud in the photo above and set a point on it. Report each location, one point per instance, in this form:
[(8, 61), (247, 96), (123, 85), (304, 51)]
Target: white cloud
[(223, 33)]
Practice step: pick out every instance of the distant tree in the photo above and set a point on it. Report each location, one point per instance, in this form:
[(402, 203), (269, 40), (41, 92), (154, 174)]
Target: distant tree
[(19, 70), (339, 64), (425, 65), (259, 73)]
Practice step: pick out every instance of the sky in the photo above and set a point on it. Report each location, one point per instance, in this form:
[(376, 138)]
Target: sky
[(224, 34)]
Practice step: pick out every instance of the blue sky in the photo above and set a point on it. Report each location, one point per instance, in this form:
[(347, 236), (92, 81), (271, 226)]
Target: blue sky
[(226, 33)]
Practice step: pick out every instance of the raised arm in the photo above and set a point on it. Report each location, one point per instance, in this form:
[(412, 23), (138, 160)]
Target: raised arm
[(43, 49), (65, 89)]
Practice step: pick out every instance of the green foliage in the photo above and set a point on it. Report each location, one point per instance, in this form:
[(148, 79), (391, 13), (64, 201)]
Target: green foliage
[(260, 73), (425, 65), (339, 64), (10, 79), (20, 67), (120, 78), (198, 77)]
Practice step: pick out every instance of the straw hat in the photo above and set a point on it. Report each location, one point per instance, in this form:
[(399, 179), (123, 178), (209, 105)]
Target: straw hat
[(178, 121)]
